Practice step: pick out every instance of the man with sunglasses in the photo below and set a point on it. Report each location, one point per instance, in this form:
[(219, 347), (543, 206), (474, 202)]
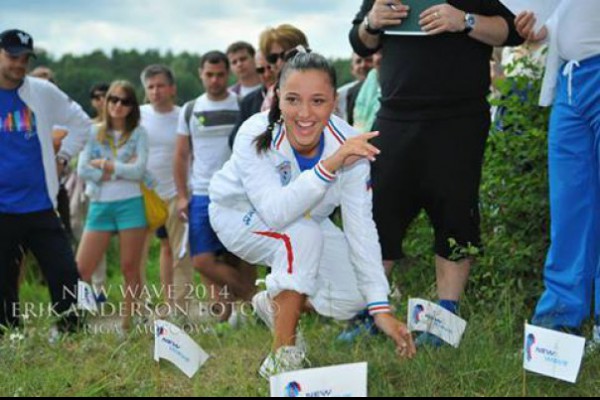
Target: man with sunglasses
[(98, 99), (80, 202), (252, 103), (29, 108)]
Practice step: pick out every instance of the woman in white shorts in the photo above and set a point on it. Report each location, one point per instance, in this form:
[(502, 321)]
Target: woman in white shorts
[(271, 202)]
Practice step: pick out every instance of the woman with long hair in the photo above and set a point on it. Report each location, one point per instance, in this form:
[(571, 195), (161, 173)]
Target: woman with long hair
[(113, 165), (270, 205)]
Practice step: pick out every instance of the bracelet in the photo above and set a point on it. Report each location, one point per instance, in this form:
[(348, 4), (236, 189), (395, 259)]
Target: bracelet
[(382, 307)]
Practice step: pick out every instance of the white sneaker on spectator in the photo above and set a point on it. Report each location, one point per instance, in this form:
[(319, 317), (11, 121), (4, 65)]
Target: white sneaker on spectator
[(285, 359)]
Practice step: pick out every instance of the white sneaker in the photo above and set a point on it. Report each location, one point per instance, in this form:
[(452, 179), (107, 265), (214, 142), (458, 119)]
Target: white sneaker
[(234, 320), (263, 306), (301, 342), (285, 359), (54, 335), (237, 319), (593, 346)]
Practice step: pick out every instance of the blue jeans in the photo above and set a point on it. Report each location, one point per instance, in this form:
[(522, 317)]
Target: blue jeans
[(572, 262)]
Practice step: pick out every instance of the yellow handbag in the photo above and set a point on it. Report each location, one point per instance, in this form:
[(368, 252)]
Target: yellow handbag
[(157, 211)]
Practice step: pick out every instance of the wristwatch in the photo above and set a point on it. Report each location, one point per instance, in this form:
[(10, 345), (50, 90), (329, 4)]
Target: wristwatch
[(469, 22), (368, 28)]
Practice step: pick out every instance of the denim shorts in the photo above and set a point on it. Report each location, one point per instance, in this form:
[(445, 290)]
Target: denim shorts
[(115, 216)]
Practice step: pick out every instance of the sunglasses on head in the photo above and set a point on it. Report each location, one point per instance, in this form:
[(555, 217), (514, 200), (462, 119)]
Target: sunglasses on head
[(124, 102)]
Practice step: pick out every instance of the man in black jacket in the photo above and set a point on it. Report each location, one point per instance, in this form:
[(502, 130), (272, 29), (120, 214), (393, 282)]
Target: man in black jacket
[(252, 103)]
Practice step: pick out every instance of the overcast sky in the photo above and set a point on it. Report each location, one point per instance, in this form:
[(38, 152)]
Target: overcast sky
[(81, 26)]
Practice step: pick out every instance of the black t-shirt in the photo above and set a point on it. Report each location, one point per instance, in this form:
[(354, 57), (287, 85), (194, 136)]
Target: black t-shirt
[(249, 106), (434, 77)]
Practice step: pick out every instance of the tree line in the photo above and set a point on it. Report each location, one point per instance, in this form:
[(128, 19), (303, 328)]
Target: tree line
[(75, 74)]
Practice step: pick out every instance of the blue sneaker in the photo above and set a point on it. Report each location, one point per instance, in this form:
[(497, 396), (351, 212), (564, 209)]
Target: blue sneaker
[(362, 324), (101, 298)]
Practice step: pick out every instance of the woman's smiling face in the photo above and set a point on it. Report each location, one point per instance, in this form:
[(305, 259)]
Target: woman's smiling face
[(307, 100)]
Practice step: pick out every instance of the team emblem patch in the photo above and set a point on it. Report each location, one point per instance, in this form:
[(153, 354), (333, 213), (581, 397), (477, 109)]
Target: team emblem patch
[(24, 38), (285, 172)]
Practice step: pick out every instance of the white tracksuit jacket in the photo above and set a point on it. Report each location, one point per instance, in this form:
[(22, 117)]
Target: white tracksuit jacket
[(271, 184)]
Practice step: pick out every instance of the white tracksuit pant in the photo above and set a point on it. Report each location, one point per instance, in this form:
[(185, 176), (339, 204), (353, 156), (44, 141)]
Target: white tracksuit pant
[(307, 257)]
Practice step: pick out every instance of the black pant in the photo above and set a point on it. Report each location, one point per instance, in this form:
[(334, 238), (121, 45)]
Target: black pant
[(433, 165), (64, 211), (43, 234)]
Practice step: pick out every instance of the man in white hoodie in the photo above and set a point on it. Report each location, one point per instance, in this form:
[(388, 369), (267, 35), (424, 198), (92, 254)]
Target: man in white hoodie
[(29, 108)]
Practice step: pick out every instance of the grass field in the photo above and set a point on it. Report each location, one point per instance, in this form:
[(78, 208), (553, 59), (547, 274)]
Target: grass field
[(488, 363)]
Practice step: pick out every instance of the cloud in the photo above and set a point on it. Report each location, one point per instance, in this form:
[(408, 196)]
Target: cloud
[(70, 26)]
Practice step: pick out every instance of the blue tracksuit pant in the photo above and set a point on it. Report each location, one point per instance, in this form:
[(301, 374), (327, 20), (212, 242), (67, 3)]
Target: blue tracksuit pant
[(572, 269)]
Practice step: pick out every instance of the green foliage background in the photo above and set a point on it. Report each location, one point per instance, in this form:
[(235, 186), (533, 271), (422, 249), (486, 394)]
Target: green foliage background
[(76, 74)]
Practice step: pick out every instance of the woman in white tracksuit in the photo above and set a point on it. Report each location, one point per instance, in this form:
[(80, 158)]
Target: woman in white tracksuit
[(270, 205)]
